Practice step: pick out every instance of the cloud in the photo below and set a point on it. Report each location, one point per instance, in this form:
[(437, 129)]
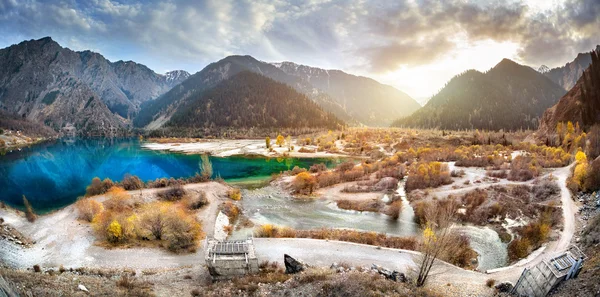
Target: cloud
[(378, 36)]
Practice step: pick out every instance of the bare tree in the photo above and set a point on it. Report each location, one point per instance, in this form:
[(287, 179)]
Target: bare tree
[(437, 237)]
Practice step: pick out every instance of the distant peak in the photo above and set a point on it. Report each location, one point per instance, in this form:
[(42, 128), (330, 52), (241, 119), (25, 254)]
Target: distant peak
[(543, 69), (47, 38)]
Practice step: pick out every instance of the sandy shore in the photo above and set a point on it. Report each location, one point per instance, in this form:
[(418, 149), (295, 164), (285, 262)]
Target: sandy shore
[(233, 147)]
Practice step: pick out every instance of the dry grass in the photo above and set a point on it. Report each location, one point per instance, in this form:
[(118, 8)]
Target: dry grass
[(28, 283), (371, 238)]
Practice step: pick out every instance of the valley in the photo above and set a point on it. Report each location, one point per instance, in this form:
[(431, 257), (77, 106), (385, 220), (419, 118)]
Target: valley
[(245, 157)]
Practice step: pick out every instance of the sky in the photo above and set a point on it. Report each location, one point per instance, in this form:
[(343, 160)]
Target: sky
[(413, 45)]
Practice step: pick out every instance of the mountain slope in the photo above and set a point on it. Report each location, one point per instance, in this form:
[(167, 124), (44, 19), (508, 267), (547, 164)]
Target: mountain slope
[(581, 104), (566, 76), (363, 98), (509, 96), (157, 112), (248, 100), (44, 82)]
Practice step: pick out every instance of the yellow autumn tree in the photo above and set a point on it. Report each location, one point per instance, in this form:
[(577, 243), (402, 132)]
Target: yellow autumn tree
[(114, 232), (268, 142), (280, 140)]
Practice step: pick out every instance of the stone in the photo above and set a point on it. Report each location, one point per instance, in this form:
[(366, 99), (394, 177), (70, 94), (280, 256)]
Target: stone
[(292, 265), (504, 287), (82, 288)]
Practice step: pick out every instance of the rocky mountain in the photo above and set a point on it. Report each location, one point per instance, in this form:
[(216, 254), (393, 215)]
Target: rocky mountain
[(156, 113), (509, 96), (44, 82), (251, 100), (581, 104), (566, 76), (175, 77), (365, 99)]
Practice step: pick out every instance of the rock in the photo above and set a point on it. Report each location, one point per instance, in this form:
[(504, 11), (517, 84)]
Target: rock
[(504, 287), (82, 288), (292, 265), (334, 265)]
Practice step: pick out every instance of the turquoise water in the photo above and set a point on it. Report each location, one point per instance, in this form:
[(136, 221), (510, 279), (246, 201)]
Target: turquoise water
[(53, 174)]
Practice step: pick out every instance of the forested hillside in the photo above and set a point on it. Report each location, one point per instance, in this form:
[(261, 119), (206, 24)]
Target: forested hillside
[(248, 100)]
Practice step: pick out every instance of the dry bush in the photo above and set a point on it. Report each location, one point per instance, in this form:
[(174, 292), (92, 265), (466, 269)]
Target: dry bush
[(234, 194), (326, 179), (305, 150), (231, 210), (183, 231), (118, 200), (497, 173), (154, 220), (345, 166), (393, 210), (459, 251), (175, 193), (371, 238), (373, 205), (490, 282), (304, 183), (132, 182), (523, 168), (88, 209), (518, 248), (316, 168), (98, 187), (196, 202), (457, 173), (36, 268), (296, 170), (545, 189), (427, 175)]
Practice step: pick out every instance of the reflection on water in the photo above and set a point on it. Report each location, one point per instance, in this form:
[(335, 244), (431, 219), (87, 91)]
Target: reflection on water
[(269, 205), (54, 174)]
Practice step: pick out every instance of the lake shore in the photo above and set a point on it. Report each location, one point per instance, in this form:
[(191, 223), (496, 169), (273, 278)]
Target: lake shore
[(235, 147)]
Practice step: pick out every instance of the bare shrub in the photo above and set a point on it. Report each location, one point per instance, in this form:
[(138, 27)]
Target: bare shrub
[(317, 168), (373, 205), (297, 170), (175, 193), (132, 182), (197, 202), (88, 209), (545, 189)]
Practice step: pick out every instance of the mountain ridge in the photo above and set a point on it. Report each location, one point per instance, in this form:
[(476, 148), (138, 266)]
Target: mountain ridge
[(364, 98), (509, 96)]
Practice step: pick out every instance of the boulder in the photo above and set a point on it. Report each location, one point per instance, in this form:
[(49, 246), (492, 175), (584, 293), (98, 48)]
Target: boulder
[(504, 287), (292, 265), (82, 288)]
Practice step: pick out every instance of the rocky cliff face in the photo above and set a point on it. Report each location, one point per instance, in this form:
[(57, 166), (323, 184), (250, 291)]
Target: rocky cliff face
[(566, 76), (581, 104), (44, 82), (364, 99)]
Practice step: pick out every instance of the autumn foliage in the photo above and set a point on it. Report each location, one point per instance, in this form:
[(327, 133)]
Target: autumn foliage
[(428, 175)]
